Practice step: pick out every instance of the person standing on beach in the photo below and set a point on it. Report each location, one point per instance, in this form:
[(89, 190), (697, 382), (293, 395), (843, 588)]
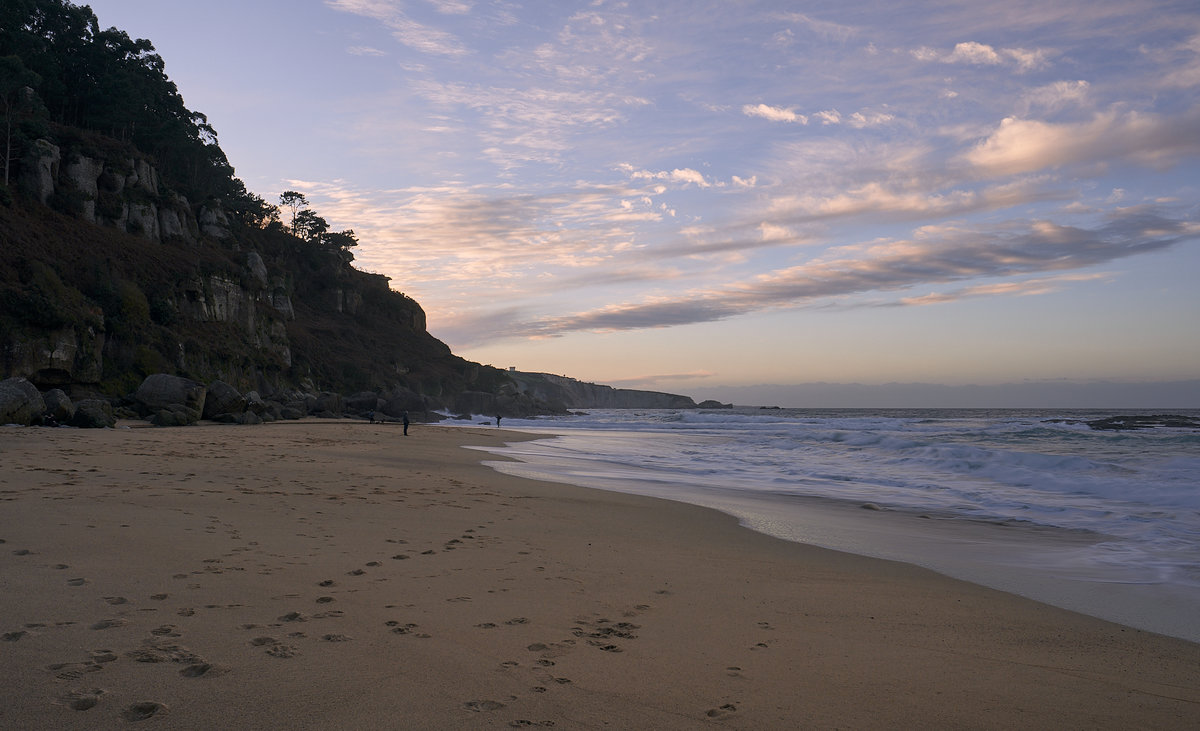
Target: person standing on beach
[(404, 418), (497, 421)]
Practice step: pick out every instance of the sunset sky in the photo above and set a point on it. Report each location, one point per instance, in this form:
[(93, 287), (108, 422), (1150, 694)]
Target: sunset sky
[(700, 195)]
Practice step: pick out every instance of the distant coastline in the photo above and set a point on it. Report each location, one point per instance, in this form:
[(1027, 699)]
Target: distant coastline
[(1099, 395)]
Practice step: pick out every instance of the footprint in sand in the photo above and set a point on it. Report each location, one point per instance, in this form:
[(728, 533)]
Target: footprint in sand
[(143, 710), (109, 623), (282, 651), (483, 705), (76, 582), (83, 700), (13, 636), (723, 710), (201, 670)]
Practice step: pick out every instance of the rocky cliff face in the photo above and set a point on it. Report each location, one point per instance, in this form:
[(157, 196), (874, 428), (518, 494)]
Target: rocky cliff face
[(572, 394), (167, 285), (116, 190), (136, 280)]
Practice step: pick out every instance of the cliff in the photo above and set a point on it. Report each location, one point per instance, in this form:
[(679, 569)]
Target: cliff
[(108, 276), (129, 250), (569, 393)]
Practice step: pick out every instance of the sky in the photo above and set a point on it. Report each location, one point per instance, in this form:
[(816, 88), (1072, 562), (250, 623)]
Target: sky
[(743, 199)]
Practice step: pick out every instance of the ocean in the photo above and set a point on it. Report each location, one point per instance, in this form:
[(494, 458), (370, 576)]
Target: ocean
[(1033, 502)]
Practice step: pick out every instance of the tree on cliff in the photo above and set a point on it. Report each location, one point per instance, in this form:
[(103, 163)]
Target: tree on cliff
[(309, 226), (295, 202), (106, 82), (18, 97)]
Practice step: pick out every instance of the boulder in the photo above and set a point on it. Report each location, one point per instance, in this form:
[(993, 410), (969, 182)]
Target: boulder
[(58, 405), (475, 402), (363, 402), (222, 399), (403, 400), (255, 403), (327, 402), (93, 414), (175, 415), (20, 402), (291, 413), (162, 391)]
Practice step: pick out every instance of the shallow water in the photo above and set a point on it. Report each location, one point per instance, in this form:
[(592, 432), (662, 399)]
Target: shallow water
[(1032, 502)]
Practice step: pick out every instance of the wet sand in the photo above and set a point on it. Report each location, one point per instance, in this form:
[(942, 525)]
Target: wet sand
[(339, 575)]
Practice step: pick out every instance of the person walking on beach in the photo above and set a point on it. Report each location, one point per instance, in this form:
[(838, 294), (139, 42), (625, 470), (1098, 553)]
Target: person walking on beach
[(404, 418), (497, 421)]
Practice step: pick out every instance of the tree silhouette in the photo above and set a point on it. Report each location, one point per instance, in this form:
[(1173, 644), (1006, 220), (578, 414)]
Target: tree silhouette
[(17, 94), (294, 201)]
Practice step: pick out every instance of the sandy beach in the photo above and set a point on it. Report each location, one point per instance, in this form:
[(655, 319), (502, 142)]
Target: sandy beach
[(335, 574)]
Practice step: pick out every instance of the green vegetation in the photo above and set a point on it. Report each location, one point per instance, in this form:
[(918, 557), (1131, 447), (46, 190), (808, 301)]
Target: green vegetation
[(188, 303)]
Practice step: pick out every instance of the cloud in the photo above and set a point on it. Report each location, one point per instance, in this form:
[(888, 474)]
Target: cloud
[(532, 124), (1024, 145), (910, 200), (831, 116), (365, 51), (936, 255), (684, 176), (643, 381), (858, 120), (1056, 96), (1028, 287), (973, 53), (452, 7), (774, 114), (824, 28), (404, 29)]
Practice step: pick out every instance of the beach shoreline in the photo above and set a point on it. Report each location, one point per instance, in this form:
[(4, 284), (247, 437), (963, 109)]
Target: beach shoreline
[(320, 574)]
